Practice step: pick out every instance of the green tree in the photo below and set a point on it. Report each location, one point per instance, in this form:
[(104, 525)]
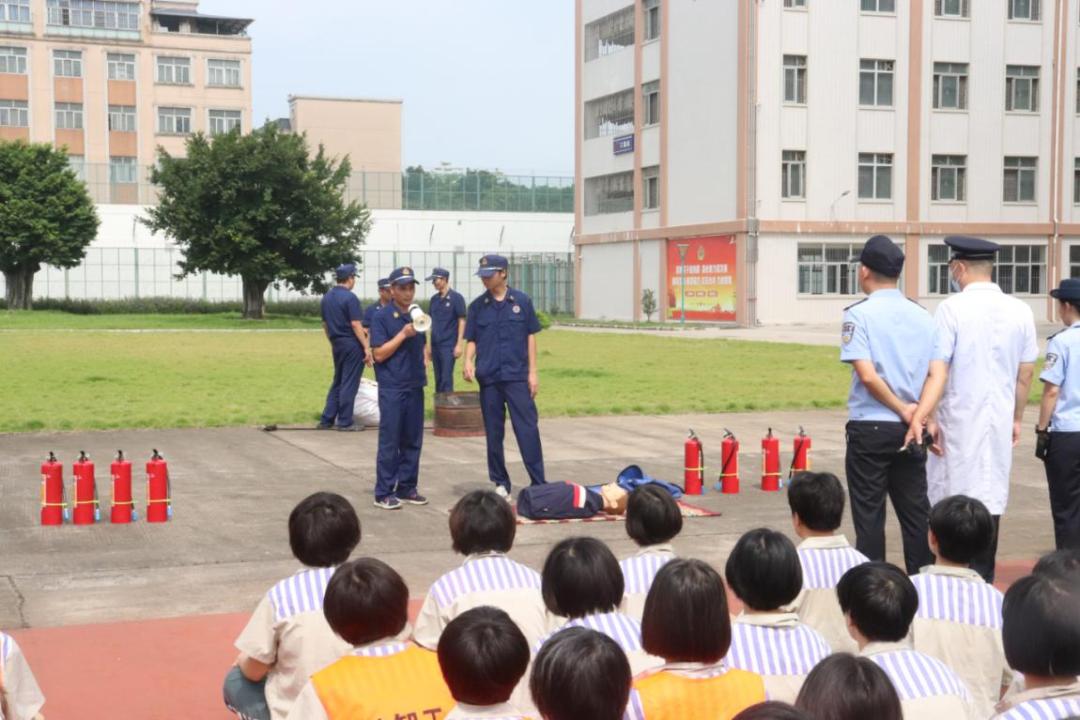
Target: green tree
[(648, 303), (258, 206), (46, 217)]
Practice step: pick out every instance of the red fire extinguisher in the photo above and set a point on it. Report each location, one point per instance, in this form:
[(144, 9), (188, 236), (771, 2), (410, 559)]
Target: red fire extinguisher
[(53, 507), (158, 491), (770, 463), (729, 464), (84, 495), (123, 507), (800, 460), (695, 465)]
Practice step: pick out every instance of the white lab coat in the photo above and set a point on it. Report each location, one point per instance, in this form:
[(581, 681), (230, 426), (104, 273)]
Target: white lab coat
[(984, 335)]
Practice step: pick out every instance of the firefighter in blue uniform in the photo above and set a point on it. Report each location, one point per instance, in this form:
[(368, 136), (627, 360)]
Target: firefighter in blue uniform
[(447, 310), (341, 320), (500, 330), (384, 300)]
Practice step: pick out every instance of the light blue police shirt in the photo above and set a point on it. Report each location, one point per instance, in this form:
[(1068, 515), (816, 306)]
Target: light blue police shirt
[(1062, 368), (895, 333)]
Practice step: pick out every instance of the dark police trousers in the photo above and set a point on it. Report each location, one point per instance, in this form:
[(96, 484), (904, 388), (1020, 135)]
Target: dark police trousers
[(348, 367), (495, 398), (442, 361), (875, 469), (401, 435), (1063, 480)]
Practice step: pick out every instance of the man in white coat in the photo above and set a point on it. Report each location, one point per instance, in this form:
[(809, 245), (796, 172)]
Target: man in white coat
[(980, 375)]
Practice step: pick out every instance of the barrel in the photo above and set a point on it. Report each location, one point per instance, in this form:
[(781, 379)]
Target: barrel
[(457, 414)]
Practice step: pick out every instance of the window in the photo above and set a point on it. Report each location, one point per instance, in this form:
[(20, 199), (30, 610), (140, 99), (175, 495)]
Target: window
[(122, 118), (610, 115), (1076, 183), (650, 186), (650, 93), (69, 116), (94, 14), (828, 269), (609, 34), (795, 79), (13, 60), (950, 86), (793, 174), (795, 3), (1024, 10), (1021, 269), (174, 70), (1020, 179), (121, 66), (1074, 261), (223, 121), (875, 176), (174, 121), (14, 113), (77, 163), (1022, 88), (952, 8), (67, 63), (223, 73), (876, 82), (15, 11), (122, 170), (937, 269), (652, 19), (879, 6), (948, 177), (609, 194)]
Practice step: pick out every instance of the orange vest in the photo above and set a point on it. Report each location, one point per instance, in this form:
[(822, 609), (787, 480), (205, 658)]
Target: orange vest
[(407, 684), (670, 696)]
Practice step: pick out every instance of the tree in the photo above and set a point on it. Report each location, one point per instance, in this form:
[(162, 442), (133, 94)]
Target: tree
[(46, 217), (648, 303), (258, 206)]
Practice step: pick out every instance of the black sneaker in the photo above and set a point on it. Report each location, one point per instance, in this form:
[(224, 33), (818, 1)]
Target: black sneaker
[(350, 428), (414, 499), (388, 503), (324, 426)]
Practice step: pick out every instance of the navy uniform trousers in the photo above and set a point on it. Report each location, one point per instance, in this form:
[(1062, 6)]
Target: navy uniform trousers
[(348, 367), (401, 435), (1063, 479), (495, 398), (442, 362)]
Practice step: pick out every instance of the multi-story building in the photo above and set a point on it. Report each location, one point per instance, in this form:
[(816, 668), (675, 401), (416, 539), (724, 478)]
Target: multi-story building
[(111, 81), (733, 155)]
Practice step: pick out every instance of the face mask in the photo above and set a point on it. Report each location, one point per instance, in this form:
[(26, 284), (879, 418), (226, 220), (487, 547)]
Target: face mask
[(954, 284)]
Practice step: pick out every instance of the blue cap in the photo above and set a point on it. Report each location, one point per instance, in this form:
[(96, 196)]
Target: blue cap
[(1069, 289), (384, 283), (438, 272), (881, 255), (490, 263), (402, 276), (346, 271), (971, 248)]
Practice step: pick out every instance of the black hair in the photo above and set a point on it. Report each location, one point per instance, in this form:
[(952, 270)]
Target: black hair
[(963, 528), (692, 591), (483, 655), (580, 673), (652, 515), (581, 577), (482, 522), (763, 570), (366, 600), (323, 530), (772, 710), (1040, 634), (1064, 564), (846, 687), (818, 500), (880, 600)]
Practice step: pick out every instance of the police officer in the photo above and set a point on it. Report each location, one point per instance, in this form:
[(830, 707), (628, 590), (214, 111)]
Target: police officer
[(447, 310), (384, 300), (349, 343), (1058, 429), (399, 368), (888, 340), (500, 330)]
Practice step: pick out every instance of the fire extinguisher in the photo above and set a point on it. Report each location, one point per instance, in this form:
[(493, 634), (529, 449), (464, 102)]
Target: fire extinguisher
[(800, 451), (695, 465), (123, 507), (158, 489), (770, 463), (84, 495), (729, 464), (53, 507)]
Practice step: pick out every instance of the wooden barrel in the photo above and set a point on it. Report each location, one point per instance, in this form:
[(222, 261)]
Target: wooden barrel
[(457, 414)]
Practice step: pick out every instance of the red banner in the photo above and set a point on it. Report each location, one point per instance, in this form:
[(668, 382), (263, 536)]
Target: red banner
[(701, 274)]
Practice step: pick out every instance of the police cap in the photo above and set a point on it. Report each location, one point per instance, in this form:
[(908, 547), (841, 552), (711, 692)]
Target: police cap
[(971, 248), (881, 255)]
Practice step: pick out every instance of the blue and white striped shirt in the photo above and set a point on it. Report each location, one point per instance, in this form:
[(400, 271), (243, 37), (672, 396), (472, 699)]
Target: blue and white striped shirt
[(957, 595), (824, 560), (640, 570), (915, 675), (380, 648), (775, 644), (1057, 708), (300, 593), (484, 573), (623, 629)]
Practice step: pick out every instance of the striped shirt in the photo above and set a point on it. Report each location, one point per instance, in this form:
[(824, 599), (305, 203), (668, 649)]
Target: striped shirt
[(824, 560), (623, 629), (380, 648), (775, 644), (957, 595), (300, 593), (482, 574), (915, 675), (640, 570), (1057, 708)]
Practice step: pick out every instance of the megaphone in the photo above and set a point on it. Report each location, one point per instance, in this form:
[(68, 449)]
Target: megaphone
[(420, 320)]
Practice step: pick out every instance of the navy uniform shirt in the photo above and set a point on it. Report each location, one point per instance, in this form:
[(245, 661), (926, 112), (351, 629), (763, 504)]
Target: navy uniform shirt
[(501, 332), (404, 370), (340, 308), (1062, 368), (445, 313), (369, 314)]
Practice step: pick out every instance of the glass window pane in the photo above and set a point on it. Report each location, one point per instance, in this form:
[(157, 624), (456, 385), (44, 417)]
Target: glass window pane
[(948, 91), (1027, 185), (948, 184), (866, 181), (1021, 95), (866, 88), (884, 182), (885, 89)]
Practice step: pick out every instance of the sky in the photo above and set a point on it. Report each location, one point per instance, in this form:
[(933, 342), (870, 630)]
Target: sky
[(485, 83)]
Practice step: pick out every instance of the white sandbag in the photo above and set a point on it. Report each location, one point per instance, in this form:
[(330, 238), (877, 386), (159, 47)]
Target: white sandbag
[(366, 410)]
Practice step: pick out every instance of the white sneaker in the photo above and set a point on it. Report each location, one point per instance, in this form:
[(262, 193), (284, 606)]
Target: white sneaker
[(502, 492)]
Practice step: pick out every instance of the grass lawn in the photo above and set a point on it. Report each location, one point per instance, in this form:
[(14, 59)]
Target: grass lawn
[(56, 320)]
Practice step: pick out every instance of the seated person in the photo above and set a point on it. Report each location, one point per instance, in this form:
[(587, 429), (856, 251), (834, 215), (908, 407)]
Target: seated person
[(580, 674), (287, 638), (367, 604), (846, 687), (20, 696), (653, 518), (817, 508), (686, 623), (767, 637), (879, 602), (483, 656)]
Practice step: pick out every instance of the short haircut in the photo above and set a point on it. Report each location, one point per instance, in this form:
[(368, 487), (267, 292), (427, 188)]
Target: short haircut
[(366, 600), (763, 570), (1040, 634), (652, 515), (963, 528), (846, 687), (1064, 564), (482, 522), (818, 500), (580, 673), (483, 655), (772, 710), (880, 600), (323, 530), (692, 591), (581, 577)]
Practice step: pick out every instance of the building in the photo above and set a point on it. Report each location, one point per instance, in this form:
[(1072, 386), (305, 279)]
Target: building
[(770, 138)]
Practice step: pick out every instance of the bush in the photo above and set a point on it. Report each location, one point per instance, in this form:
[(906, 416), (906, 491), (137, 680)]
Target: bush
[(544, 318), (171, 306)]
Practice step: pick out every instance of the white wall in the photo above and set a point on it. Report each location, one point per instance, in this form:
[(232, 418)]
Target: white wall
[(606, 281)]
